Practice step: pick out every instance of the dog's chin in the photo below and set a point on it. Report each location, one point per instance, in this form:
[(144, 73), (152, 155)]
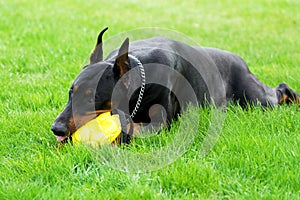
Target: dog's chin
[(62, 138)]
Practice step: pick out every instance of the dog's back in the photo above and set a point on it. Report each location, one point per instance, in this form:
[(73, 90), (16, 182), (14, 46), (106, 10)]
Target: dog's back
[(193, 64), (215, 75)]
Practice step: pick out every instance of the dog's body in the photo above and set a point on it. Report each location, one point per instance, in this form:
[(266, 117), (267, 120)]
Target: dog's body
[(171, 67)]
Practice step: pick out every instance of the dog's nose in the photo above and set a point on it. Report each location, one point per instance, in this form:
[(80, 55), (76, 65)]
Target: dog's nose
[(59, 129)]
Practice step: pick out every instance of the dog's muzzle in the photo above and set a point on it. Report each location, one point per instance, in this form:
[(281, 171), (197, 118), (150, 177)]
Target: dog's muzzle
[(107, 128)]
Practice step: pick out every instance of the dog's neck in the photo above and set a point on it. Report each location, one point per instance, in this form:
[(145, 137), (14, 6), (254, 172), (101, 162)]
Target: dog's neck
[(142, 74)]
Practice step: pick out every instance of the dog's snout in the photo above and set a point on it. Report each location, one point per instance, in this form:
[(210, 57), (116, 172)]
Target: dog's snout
[(59, 129)]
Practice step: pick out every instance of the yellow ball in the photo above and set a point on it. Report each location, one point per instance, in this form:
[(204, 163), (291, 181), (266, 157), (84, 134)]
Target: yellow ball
[(102, 130)]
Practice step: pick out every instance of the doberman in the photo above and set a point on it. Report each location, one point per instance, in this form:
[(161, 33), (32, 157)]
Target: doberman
[(164, 72)]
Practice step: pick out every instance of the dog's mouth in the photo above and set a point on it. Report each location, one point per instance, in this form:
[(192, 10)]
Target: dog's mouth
[(62, 138), (63, 132)]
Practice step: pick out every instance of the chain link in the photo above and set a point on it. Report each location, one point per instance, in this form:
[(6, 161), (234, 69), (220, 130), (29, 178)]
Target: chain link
[(142, 90)]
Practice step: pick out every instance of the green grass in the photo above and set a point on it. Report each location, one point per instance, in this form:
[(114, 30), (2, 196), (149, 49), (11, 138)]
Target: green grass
[(44, 44)]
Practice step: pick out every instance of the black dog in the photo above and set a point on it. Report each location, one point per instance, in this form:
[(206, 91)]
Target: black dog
[(166, 73)]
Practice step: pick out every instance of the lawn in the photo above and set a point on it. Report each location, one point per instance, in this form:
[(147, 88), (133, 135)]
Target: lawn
[(43, 46)]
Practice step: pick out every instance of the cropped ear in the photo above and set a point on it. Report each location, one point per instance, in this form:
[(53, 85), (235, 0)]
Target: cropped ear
[(122, 64), (97, 54)]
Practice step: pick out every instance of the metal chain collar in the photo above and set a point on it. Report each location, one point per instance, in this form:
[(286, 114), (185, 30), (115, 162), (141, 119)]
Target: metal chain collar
[(142, 90)]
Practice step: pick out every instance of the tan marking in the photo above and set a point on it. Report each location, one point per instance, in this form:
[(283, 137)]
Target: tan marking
[(75, 88), (136, 128), (283, 99), (98, 112), (109, 104), (80, 121), (123, 66), (72, 127), (88, 92)]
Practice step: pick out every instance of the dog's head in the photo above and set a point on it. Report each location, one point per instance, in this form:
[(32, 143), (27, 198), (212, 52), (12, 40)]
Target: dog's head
[(286, 95), (90, 93)]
